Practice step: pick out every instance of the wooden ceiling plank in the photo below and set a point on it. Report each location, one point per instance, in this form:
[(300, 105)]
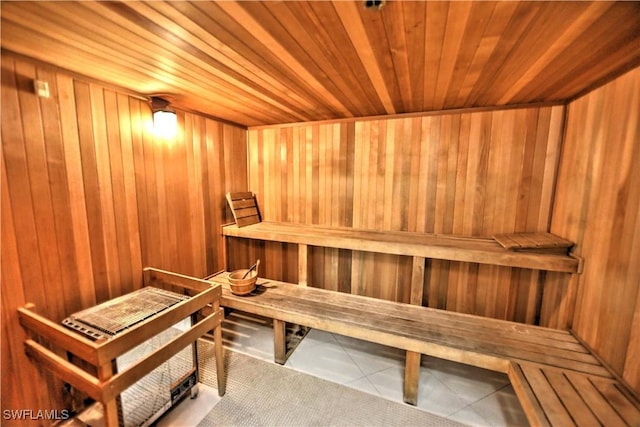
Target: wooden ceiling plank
[(343, 50), (216, 48), (570, 34), (41, 42), (436, 24), (186, 70), (508, 39), (534, 39), (265, 62), (382, 51), (600, 51), (626, 58), (289, 22), (415, 25), (501, 16), (107, 58), (336, 44), (348, 13), (261, 63), (67, 36), (479, 19), (255, 28), (396, 34), (457, 18), (207, 61)]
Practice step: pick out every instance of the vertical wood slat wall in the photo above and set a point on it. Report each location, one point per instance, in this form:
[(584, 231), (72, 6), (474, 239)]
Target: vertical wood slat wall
[(90, 197), (598, 206), (469, 173)]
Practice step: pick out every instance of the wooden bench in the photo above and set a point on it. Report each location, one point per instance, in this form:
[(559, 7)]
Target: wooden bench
[(515, 349), (552, 397), (544, 365), (479, 250)]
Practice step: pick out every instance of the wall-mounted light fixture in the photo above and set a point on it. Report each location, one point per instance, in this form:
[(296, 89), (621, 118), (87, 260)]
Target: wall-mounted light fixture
[(165, 121)]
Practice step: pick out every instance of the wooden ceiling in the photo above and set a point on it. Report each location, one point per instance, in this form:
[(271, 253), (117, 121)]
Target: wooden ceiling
[(258, 63)]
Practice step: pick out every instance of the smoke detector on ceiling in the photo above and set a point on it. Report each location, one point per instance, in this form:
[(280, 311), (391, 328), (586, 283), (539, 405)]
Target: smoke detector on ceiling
[(374, 4)]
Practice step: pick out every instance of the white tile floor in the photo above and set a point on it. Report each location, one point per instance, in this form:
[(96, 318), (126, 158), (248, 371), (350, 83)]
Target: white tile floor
[(469, 395)]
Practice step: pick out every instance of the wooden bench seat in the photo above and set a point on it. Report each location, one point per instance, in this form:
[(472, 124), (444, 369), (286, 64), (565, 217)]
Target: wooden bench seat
[(546, 366), (473, 340), (436, 246), (552, 397), (524, 352)]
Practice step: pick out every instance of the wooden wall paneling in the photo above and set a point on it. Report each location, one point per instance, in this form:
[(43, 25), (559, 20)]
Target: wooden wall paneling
[(631, 367), (208, 183), (23, 153), (503, 217), (177, 191), (78, 207), (193, 197), (13, 297), (623, 128), (474, 173), (42, 204), (118, 192), (160, 235), (141, 163), (214, 172), (54, 152), (105, 190), (17, 181), (596, 205), (130, 120), (89, 196), (92, 191), (217, 163)]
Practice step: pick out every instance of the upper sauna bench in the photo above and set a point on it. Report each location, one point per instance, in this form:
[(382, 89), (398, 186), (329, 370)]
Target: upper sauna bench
[(537, 251)]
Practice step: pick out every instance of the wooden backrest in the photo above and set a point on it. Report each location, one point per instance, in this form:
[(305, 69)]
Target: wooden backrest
[(244, 208)]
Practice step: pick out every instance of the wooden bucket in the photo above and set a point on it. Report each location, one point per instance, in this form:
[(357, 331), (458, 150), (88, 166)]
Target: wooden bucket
[(240, 286)]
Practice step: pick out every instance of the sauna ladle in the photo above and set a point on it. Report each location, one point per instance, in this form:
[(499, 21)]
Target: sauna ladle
[(253, 267)]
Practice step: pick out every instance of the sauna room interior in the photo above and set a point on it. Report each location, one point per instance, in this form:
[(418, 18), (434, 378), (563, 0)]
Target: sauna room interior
[(460, 121)]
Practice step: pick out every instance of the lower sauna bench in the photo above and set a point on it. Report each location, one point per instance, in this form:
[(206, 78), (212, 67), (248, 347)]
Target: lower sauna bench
[(552, 397), (515, 349)]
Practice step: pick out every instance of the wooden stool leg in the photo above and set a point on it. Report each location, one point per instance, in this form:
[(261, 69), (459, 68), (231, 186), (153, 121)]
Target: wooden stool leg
[(411, 378), (280, 341), (110, 407)]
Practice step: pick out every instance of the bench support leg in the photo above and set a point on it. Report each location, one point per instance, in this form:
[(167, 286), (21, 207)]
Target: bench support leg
[(302, 264), (411, 377), (280, 341)]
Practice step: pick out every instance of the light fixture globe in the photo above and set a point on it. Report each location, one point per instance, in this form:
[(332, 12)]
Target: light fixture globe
[(165, 120)]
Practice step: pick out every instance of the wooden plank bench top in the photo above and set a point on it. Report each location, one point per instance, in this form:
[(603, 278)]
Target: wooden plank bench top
[(554, 375), (473, 340), (566, 398), (435, 246)]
